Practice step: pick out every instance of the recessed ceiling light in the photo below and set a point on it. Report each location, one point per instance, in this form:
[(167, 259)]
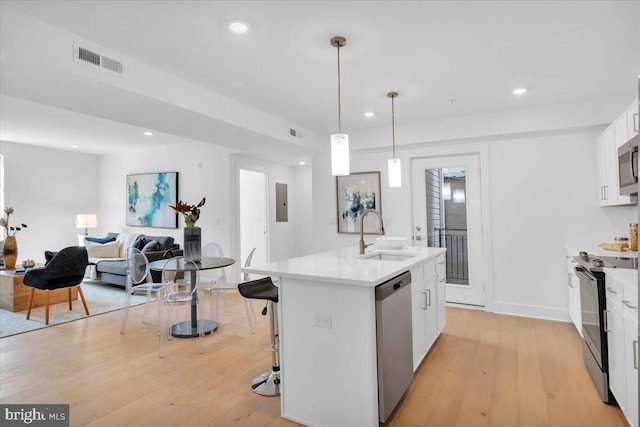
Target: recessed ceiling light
[(369, 114), (301, 163), (238, 27), (75, 146), (147, 133), (519, 91)]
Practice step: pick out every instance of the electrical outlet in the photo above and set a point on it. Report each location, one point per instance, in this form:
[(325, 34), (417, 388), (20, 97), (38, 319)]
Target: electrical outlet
[(322, 320)]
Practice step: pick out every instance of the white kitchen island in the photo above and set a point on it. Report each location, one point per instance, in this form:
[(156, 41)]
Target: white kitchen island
[(328, 328)]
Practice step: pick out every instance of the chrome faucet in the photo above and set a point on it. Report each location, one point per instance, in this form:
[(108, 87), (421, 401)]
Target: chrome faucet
[(363, 246)]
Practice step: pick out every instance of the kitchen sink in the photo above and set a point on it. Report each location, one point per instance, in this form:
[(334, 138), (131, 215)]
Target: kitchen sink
[(389, 257)]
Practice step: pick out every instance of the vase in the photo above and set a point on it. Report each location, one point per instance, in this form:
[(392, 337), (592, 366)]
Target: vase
[(193, 243), (10, 250)]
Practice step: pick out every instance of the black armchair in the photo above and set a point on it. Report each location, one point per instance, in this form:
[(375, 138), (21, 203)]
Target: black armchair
[(65, 270)]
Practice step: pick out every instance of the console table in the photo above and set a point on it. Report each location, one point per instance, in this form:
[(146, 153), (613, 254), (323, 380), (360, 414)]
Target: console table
[(14, 295)]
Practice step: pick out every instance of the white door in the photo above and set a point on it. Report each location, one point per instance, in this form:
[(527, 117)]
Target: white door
[(472, 292), (253, 216)]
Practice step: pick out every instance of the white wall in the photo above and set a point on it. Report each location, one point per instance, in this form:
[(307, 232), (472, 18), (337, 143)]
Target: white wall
[(47, 188), (203, 171), (542, 194), (283, 236)]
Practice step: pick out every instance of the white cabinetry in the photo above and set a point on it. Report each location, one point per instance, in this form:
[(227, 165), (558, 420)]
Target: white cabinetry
[(573, 287), (426, 308), (607, 159), (622, 329), (630, 316), (441, 292)]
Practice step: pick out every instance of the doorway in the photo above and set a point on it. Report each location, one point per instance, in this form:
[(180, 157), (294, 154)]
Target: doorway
[(253, 216), (447, 212)]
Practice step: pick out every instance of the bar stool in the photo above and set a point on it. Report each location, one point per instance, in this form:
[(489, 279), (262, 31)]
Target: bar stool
[(267, 384)]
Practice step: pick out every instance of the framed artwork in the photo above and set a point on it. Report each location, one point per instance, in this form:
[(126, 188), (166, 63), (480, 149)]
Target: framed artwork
[(148, 198), (355, 193)]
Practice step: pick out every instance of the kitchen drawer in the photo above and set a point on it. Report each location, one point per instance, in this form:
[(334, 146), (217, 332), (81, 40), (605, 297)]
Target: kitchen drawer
[(440, 266), (430, 268), (629, 299), (417, 274), (613, 288)]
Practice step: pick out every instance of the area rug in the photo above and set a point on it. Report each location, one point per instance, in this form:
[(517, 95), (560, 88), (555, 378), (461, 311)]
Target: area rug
[(101, 298)]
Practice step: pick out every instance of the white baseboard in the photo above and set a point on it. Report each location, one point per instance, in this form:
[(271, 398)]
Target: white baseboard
[(534, 311)]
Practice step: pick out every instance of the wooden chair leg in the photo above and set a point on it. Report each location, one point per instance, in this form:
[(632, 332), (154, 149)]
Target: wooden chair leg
[(46, 310), (30, 302), (70, 303), (84, 302)]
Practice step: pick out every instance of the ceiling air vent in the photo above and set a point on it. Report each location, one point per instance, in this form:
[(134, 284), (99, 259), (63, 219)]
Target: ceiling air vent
[(99, 60)]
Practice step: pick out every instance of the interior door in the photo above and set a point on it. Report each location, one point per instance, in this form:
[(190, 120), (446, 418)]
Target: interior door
[(471, 293), (253, 216)]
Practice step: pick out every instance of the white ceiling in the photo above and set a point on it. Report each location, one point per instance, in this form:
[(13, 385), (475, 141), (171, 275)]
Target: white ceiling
[(475, 52)]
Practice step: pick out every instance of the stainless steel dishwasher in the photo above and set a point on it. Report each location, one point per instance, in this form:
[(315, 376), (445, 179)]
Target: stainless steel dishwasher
[(394, 342)]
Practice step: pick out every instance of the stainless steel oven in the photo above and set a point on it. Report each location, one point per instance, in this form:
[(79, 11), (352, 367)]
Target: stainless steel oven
[(590, 271), (594, 330)]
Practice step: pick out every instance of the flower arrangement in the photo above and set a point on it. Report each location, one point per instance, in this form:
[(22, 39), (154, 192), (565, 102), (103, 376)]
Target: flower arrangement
[(4, 222), (191, 212)]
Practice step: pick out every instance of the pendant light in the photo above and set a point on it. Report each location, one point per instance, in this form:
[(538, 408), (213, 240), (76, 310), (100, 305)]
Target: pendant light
[(339, 141), (395, 167)]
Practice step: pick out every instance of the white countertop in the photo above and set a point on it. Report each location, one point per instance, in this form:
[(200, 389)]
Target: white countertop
[(628, 276), (347, 266), (598, 251)]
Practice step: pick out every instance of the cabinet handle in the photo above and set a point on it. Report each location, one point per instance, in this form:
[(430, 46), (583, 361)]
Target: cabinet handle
[(427, 298), (628, 304), (635, 354), (606, 320), (569, 282), (610, 289), (442, 280), (441, 263), (606, 192), (601, 192), (635, 125)]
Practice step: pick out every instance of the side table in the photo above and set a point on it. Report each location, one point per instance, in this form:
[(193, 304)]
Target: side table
[(14, 295)]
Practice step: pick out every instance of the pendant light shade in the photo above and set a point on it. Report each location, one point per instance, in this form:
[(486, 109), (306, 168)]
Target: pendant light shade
[(339, 141), (340, 154), (395, 166)]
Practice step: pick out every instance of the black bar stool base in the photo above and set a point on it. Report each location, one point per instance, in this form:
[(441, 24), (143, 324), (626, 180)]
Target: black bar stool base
[(186, 330), (267, 384)]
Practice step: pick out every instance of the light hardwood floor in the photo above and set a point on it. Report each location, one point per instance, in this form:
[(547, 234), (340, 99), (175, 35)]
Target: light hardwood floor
[(484, 370)]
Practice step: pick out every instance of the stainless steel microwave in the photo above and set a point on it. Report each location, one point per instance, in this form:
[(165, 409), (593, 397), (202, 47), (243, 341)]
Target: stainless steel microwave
[(628, 166)]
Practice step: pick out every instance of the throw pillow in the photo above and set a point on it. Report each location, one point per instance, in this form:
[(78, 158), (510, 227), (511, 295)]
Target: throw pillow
[(99, 239), (104, 250), (151, 246), (139, 242)]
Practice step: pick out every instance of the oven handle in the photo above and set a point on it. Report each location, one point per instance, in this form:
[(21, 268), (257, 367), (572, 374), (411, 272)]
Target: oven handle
[(581, 271)]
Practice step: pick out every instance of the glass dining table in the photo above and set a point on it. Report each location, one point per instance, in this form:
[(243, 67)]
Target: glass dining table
[(189, 328)]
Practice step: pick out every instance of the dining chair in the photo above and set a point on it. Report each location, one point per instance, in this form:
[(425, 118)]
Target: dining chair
[(175, 298), (216, 284), (140, 282)]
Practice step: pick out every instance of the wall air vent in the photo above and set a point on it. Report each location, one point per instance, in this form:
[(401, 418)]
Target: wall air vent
[(88, 56), (99, 60), (294, 133), (112, 64)]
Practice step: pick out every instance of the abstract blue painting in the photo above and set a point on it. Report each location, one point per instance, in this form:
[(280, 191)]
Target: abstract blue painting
[(148, 198), (355, 193)]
